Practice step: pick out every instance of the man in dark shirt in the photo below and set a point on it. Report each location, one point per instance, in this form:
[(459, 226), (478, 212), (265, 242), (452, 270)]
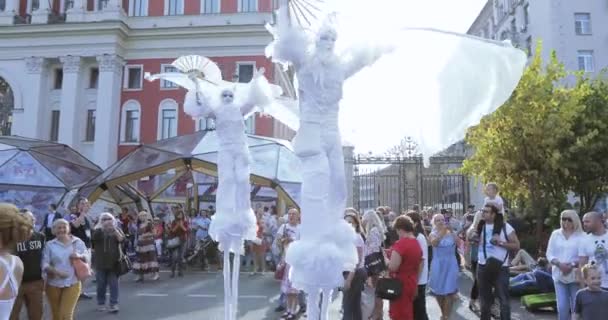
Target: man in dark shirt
[(32, 286), (47, 223)]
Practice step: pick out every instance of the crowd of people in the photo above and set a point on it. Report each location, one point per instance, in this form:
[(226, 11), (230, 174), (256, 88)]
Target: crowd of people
[(419, 253)]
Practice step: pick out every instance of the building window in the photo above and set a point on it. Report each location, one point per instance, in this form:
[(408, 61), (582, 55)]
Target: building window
[(168, 84), (205, 124), (174, 7), (133, 77), (93, 78), (582, 23), (248, 5), (244, 73), (585, 60), (58, 79), (130, 122), (167, 124), (138, 8), (210, 6), (529, 46), (54, 136), (90, 133)]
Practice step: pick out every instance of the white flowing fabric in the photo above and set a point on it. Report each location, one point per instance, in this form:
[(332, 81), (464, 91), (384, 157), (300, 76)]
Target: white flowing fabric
[(429, 84)]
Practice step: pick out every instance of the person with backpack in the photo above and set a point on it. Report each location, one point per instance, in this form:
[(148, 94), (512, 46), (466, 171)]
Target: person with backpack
[(497, 239)]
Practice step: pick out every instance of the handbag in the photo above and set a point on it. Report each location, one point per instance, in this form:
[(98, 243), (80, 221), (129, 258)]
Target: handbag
[(123, 265), (279, 274), (374, 263), (81, 269), (174, 242), (389, 288)]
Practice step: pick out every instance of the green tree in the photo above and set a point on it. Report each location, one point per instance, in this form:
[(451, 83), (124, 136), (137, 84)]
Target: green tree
[(518, 145), (586, 148)]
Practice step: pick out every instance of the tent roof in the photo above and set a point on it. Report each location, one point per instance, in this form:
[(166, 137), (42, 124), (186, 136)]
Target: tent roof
[(38, 163)]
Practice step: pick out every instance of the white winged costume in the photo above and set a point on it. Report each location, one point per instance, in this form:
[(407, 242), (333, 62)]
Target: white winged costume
[(394, 81)]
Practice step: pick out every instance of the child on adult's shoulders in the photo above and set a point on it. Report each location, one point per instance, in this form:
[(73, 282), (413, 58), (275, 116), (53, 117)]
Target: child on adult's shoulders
[(491, 191), (591, 302)]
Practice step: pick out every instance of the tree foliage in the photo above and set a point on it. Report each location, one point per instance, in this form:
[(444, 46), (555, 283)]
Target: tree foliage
[(520, 145)]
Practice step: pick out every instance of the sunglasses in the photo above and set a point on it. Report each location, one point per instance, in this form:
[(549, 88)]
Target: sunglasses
[(565, 219)]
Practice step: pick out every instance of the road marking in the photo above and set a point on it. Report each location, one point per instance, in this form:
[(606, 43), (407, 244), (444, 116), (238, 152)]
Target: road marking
[(202, 296), (152, 295), (252, 297)]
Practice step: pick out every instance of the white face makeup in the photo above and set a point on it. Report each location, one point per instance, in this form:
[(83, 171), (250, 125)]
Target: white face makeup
[(326, 40), (227, 96)]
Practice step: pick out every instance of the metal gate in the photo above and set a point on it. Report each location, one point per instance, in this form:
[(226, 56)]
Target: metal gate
[(401, 183)]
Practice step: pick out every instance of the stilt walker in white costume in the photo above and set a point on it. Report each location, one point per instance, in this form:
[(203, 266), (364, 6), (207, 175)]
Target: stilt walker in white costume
[(326, 246), (229, 104)]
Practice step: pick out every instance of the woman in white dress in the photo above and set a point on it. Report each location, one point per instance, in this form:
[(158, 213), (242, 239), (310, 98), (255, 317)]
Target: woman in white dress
[(14, 228)]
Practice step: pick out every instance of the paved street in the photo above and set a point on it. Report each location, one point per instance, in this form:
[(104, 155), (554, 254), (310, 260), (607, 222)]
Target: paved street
[(199, 296)]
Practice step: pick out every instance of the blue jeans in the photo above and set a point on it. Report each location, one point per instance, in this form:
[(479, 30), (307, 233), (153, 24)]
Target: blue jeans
[(104, 279), (565, 294)]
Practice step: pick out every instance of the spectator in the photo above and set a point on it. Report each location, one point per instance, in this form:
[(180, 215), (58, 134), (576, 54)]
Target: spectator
[(287, 288), (374, 237), (15, 229), (201, 224), (594, 247), (538, 280), (356, 276), (591, 302), (491, 191), (47, 224), (406, 265), (63, 287), (258, 247), (106, 239), (497, 238), (420, 300), (522, 262), (178, 234), (80, 227), (147, 261), (287, 233), (32, 287), (473, 241), (443, 280), (159, 234), (562, 252)]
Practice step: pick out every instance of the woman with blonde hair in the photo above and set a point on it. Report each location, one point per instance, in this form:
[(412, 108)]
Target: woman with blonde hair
[(145, 248), (473, 242), (374, 237), (14, 228), (562, 252), (58, 264)]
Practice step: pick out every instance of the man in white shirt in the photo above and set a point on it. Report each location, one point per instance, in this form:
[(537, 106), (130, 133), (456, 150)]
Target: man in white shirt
[(594, 247), (47, 224)]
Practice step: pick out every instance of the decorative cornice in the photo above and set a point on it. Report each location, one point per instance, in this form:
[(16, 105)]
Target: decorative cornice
[(35, 65), (110, 63), (71, 64)]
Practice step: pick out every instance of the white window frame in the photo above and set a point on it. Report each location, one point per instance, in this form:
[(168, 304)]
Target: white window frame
[(583, 23), (589, 62), (240, 6), (180, 13), (167, 104), (250, 122), (219, 7), (198, 123), (125, 81), (130, 105), (167, 85), (144, 6)]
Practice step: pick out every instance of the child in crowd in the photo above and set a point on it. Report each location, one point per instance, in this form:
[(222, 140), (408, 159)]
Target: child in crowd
[(591, 302), (491, 192), (159, 232), (287, 288)]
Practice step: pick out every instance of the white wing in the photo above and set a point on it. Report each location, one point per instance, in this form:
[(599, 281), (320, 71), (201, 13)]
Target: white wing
[(432, 87), (179, 79), (286, 110)]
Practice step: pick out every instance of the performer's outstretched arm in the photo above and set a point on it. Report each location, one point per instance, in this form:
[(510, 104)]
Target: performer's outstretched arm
[(291, 43), (357, 58), (197, 105), (259, 93)]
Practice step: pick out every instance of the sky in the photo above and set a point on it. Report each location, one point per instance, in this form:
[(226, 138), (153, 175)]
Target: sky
[(452, 15)]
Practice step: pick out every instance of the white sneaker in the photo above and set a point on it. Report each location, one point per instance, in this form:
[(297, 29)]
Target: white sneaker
[(113, 309), (101, 308)]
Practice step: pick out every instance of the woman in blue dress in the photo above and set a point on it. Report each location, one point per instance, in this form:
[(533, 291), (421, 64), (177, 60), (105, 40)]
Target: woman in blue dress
[(443, 280)]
